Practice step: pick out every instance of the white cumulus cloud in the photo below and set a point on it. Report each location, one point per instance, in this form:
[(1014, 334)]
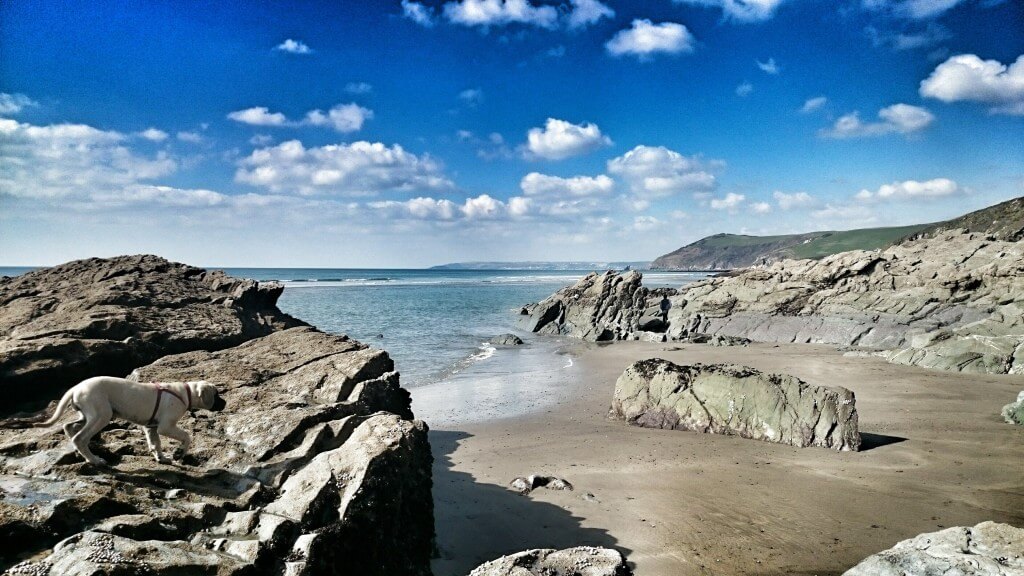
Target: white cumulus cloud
[(258, 116), (968, 78), (896, 119), (740, 10), (153, 135), (418, 13), (536, 184), (657, 172), (71, 161), (560, 139), (293, 47), (744, 89), (644, 39), (730, 202), (500, 13), (911, 189), (793, 200), (344, 118), (356, 169), (587, 12)]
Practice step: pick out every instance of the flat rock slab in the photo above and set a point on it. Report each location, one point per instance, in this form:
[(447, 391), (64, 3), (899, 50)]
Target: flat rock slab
[(736, 400), (988, 549), (106, 316), (580, 561)]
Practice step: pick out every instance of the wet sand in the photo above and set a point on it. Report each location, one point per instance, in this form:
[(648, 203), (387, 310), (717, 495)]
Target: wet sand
[(936, 454)]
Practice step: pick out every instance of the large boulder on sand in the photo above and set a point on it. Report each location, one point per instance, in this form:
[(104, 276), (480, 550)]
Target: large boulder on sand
[(598, 307), (100, 316), (988, 549), (579, 561), (730, 399), (315, 468), (1014, 411)]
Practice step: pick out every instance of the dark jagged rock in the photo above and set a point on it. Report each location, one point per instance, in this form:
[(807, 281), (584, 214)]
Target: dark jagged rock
[(988, 549), (506, 340), (730, 399), (599, 307), (314, 468), (580, 561), (63, 324)]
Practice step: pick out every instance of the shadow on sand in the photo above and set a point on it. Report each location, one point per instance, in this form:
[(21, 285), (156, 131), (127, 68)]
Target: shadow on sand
[(480, 522), (869, 441)]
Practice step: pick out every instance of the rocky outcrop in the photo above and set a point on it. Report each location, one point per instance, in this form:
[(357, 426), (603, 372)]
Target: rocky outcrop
[(737, 400), (580, 561), (1013, 412), (314, 468), (953, 302), (599, 307), (98, 316), (506, 340), (988, 549)]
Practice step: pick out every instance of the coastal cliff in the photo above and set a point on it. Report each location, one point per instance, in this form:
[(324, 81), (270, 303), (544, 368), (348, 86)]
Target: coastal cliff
[(315, 468)]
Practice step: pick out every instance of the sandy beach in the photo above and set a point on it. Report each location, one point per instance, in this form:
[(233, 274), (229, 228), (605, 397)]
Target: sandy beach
[(936, 454)]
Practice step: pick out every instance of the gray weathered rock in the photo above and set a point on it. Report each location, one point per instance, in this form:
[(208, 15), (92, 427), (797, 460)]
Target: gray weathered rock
[(599, 307), (63, 324), (506, 340), (580, 561), (988, 549), (527, 484), (952, 302), (314, 468), (730, 399), (1014, 411)]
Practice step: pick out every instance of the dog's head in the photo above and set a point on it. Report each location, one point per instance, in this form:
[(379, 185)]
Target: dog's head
[(209, 398)]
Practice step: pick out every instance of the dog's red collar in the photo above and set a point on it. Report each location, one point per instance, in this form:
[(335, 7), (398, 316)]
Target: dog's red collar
[(160, 389)]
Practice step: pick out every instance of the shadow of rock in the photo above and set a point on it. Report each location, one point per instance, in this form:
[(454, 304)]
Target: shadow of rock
[(477, 522), (869, 441)]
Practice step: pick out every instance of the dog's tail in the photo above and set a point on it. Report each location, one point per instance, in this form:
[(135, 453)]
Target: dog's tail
[(59, 411)]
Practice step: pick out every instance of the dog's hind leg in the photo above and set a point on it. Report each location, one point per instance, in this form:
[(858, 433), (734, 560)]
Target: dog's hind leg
[(153, 440), (171, 430), (96, 418), (72, 428)]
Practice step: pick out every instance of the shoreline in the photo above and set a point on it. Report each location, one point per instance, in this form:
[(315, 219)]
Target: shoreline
[(937, 454)]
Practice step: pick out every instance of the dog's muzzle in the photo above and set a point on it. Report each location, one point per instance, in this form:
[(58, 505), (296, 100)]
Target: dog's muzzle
[(218, 404)]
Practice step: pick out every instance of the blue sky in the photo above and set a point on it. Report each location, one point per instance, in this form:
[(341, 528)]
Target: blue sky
[(391, 134)]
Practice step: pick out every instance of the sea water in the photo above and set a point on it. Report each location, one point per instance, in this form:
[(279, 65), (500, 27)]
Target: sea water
[(433, 323)]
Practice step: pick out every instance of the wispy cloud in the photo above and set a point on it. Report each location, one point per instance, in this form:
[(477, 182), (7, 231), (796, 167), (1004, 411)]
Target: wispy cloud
[(15, 103)]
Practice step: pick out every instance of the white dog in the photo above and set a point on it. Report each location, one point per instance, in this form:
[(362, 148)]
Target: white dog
[(156, 407)]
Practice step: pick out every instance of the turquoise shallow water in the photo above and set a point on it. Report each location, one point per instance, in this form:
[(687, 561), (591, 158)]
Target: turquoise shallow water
[(434, 323)]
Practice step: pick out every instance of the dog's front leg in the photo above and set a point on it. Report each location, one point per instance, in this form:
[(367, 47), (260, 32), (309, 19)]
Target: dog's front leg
[(153, 440), (171, 430)]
